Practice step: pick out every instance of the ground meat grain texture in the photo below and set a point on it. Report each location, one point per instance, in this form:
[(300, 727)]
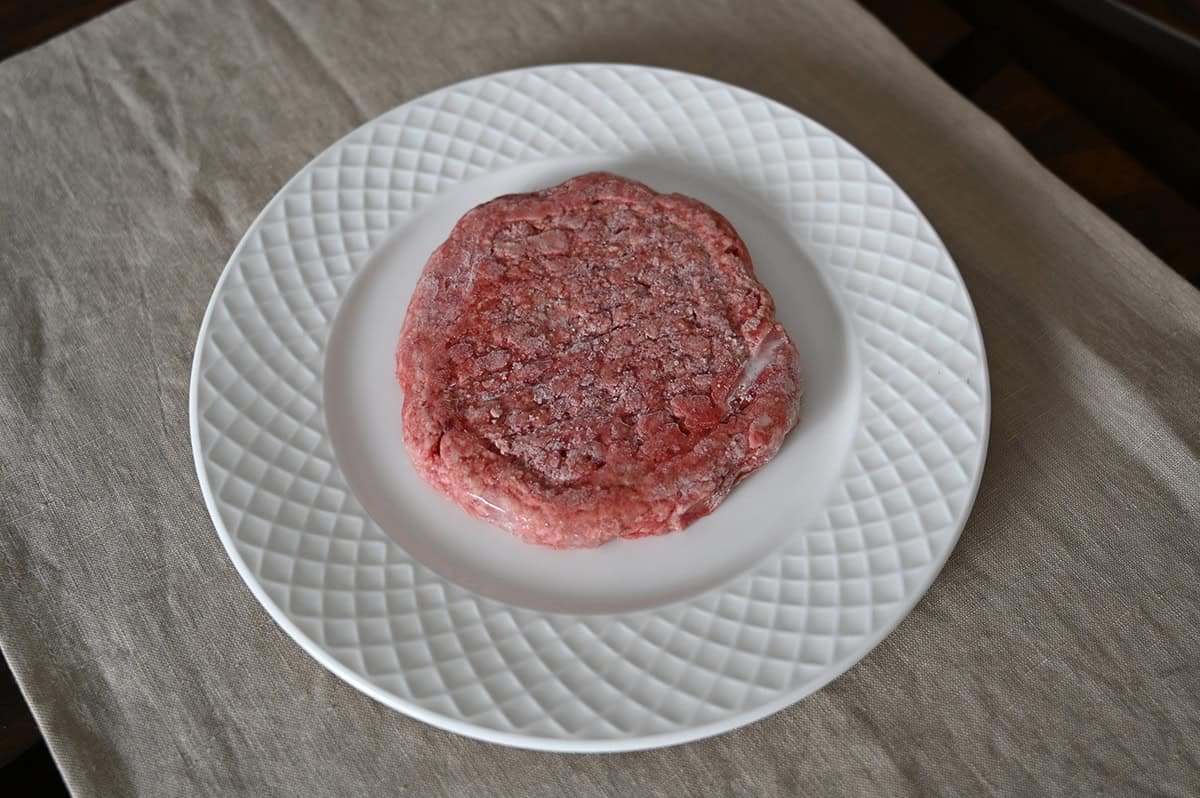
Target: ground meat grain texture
[(593, 361)]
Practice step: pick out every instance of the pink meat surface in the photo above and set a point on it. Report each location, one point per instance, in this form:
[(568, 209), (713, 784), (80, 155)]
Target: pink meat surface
[(593, 361)]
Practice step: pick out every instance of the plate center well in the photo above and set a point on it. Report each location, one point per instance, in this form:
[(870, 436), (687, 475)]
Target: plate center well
[(363, 402)]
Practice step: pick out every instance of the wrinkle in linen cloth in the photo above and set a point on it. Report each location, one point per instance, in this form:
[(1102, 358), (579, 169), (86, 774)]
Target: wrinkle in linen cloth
[(1057, 653)]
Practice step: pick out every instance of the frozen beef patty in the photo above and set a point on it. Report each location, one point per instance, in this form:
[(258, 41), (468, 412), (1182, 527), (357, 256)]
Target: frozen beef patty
[(593, 361)]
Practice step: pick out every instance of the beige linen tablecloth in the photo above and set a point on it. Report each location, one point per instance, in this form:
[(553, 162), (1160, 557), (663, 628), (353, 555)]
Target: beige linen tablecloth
[(1059, 651)]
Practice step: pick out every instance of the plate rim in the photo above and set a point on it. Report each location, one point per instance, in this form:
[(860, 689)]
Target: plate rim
[(786, 697)]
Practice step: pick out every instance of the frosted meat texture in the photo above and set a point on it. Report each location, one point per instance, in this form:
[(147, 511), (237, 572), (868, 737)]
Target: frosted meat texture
[(593, 361)]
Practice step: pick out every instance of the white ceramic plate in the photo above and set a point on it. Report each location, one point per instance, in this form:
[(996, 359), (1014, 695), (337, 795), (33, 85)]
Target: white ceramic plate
[(808, 564)]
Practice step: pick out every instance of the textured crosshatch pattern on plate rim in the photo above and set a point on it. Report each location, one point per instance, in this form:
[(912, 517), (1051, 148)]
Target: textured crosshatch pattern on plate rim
[(403, 634)]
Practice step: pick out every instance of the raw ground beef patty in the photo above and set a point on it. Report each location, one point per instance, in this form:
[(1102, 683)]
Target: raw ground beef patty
[(593, 361)]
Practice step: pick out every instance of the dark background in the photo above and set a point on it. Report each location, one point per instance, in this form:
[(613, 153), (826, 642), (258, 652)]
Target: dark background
[(1104, 93)]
